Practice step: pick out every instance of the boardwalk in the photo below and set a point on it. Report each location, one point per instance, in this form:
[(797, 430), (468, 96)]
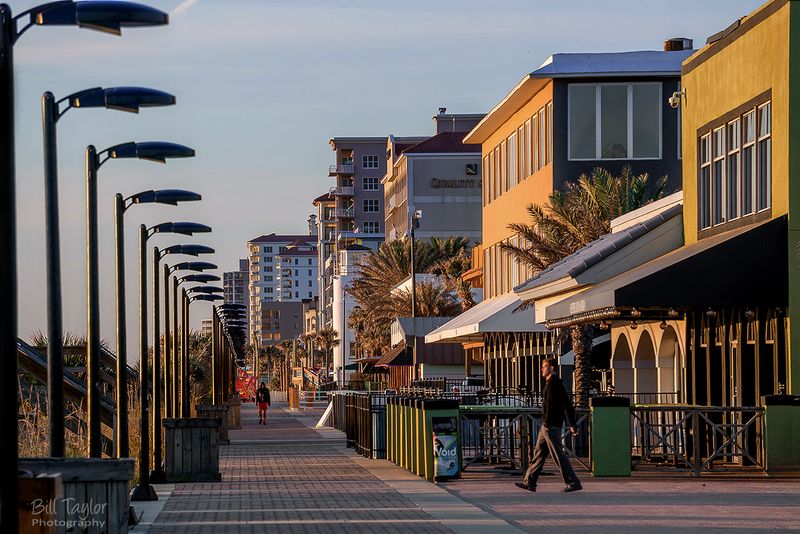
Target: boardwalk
[(288, 477)]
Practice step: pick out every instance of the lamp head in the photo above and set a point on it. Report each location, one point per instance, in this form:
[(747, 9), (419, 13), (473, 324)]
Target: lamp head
[(197, 266), (108, 17), (128, 99), (165, 196), (204, 278), (189, 250), (158, 151), (183, 228)]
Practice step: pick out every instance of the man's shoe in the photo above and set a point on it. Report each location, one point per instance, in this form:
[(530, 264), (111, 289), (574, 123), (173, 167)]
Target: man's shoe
[(525, 486), (571, 487)]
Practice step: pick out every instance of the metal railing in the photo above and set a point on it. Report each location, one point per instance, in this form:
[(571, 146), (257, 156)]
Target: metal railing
[(507, 435), (342, 168), (365, 423), (698, 438), (346, 213)]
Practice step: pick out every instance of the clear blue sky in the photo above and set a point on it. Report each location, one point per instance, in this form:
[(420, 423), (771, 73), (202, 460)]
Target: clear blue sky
[(261, 87)]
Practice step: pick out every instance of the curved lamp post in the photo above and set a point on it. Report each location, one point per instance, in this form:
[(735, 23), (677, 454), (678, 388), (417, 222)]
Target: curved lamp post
[(190, 295), (104, 16), (227, 313), (169, 364), (143, 491), (121, 205), (153, 151), (121, 98), (157, 475), (180, 399)]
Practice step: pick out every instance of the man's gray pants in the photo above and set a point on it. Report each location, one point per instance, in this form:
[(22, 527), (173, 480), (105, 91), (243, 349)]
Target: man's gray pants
[(549, 443)]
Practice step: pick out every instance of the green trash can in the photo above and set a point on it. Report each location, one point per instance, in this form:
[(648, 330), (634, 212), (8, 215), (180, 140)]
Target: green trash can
[(781, 432), (610, 443), (442, 447)]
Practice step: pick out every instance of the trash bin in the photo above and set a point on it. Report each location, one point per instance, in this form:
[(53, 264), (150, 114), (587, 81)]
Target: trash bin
[(610, 444), (442, 451)]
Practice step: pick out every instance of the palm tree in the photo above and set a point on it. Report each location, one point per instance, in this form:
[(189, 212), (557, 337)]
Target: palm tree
[(327, 339), (571, 220), (374, 288)]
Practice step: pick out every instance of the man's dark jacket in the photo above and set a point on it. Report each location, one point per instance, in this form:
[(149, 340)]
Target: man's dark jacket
[(556, 404), (262, 395)]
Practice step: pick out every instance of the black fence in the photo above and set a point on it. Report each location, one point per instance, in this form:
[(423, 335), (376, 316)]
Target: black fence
[(362, 417)]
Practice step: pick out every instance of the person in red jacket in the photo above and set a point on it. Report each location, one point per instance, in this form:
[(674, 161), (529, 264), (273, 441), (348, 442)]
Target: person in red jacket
[(262, 398)]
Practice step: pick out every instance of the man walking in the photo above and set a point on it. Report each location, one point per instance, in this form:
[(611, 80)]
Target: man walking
[(262, 398), (556, 405)]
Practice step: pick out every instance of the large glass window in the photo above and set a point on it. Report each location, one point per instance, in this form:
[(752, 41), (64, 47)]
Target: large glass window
[(582, 122), (614, 121), (626, 117), (732, 170), (512, 161), (646, 121), (371, 205), (371, 183), (748, 153), (704, 202), (764, 174), (370, 162), (717, 171), (735, 177)]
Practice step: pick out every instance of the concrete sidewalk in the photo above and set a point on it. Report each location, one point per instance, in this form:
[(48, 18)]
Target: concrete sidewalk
[(289, 477)]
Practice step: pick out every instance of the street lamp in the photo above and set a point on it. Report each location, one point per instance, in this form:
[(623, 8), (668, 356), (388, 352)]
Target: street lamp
[(191, 295), (121, 205), (120, 98), (227, 313), (169, 365), (153, 151), (181, 402), (103, 16), (143, 491), (157, 475)]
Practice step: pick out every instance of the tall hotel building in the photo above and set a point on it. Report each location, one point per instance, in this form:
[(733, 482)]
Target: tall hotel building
[(272, 275)]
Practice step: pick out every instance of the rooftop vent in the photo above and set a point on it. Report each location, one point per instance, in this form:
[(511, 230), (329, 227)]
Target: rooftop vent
[(676, 44), (442, 111)]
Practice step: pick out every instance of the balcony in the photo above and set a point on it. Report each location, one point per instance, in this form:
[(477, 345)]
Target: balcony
[(342, 168), (356, 234), (390, 203), (343, 191), (344, 213)]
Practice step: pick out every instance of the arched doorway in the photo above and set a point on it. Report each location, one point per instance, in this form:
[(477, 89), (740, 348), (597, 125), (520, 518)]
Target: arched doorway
[(669, 367), (622, 366), (645, 372)]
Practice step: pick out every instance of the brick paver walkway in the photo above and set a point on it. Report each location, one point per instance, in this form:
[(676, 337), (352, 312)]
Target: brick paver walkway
[(286, 477), (636, 505)]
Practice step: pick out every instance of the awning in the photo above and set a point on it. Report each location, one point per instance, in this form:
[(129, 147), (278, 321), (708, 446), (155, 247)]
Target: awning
[(402, 354), (497, 314), (743, 267)]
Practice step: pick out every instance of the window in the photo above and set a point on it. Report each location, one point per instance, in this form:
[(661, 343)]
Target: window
[(535, 143), (612, 121), (549, 140), (542, 138), (371, 183), (296, 283), (735, 178), (526, 144), (268, 279), (309, 283), (485, 189), (371, 205), (512, 161), (717, 174), (267, 249), (268, 290), (732, 170), (370, 227), (309, 262), (268, 268), (296, 295), (309, 294), (295, 271), (764, 158), (370, 162), (704, 202), (309, 271)]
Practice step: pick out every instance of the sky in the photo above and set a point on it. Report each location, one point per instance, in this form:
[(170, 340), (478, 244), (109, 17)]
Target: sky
[(261, 87)]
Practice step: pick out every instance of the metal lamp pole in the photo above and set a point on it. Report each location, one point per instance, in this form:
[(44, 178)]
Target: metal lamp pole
[(103, 16)]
